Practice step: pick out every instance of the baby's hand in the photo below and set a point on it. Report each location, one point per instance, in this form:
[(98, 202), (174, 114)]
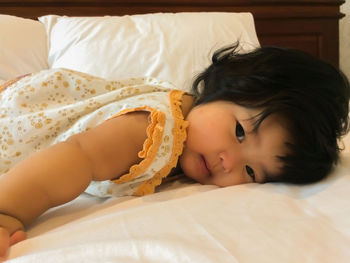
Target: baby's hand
[(6, 241)]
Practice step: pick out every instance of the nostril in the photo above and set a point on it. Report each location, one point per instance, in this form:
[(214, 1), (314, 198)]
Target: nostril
[(224, 163), (227, 162), (221, 157)]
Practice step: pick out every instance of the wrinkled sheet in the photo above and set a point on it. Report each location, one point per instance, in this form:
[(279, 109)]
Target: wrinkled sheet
[(188, 222)]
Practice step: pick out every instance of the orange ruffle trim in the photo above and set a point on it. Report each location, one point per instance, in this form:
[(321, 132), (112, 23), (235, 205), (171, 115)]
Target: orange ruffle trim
[(151, 145), (179, 135)]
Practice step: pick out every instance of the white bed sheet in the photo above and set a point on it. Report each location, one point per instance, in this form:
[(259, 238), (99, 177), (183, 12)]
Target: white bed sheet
[(187, 222)]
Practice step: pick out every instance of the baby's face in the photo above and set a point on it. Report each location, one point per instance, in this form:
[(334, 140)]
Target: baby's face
[(222, 148)]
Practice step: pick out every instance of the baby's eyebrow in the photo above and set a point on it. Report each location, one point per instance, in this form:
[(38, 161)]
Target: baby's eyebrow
[(265, 174), (268, 176)]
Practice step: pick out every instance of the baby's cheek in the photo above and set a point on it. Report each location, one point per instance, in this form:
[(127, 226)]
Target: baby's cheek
[(215, 138), (185, 163)]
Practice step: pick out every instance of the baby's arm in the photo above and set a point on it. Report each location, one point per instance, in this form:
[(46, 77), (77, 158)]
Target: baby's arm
[(62, 172)]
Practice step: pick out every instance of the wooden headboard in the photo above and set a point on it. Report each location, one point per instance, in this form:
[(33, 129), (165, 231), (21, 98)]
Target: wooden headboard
[(310, 25)]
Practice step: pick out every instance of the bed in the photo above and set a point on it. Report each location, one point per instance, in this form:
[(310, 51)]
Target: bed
[(183, 221)]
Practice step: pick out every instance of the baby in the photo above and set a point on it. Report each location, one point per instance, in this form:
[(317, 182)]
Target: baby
[(269, 115)]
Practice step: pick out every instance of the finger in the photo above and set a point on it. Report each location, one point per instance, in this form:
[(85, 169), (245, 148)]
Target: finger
[(18, 236), (4, 243)]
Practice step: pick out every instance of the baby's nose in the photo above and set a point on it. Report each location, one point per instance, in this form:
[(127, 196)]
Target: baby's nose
[(230, 161)]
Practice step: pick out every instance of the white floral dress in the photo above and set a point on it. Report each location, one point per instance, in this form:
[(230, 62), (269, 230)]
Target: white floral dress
[(41, 109)]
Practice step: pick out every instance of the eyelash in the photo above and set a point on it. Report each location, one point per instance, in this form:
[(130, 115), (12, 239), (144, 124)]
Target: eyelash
[(240, 134)]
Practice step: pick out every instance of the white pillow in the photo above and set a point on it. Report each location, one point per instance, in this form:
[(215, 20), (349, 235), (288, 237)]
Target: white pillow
[(172, 47), (23, 46)]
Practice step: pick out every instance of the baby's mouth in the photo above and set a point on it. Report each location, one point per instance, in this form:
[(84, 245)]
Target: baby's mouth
[(206, 165)]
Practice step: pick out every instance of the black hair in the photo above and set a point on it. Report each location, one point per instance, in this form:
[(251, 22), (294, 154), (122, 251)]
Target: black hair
[(311, 95)]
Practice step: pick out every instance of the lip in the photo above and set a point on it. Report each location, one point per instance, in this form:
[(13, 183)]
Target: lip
[(203, 165)]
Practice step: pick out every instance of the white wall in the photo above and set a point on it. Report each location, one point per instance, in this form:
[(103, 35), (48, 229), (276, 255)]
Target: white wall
[(344, 45)]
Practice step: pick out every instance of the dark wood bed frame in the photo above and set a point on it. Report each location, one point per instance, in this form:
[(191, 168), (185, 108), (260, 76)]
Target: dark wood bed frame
[(310, 25)]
